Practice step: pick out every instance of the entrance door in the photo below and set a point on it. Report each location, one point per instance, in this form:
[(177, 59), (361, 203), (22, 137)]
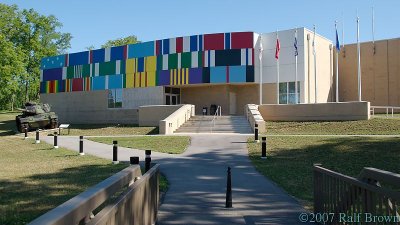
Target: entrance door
[(232, 103)]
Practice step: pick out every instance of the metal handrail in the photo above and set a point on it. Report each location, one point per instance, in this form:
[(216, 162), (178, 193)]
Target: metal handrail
[(372, 109), (217, 113)]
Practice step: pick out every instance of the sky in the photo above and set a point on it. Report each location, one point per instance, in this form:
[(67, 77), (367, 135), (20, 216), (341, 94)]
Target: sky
[(93, 22)]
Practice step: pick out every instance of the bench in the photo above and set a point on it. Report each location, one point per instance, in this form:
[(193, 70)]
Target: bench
[(63, 126)]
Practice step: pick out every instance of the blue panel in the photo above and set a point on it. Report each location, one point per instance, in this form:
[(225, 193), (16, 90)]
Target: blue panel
[(140, 67), (52, 62), (43, 86), (117, 53), (237, 74), (193, 43), (79, 58), (165, 46), (200, 43), (52, 74), (218, 74), (98, 55), (115, 81), (61, 86), (227, 40), (141, 49), (99, 83)]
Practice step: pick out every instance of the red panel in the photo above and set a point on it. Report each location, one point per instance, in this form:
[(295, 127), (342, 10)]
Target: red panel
[(242, 40), (158, 47), (179, 44), (214, 41), (51, 84), (125, 51), (77, 84)]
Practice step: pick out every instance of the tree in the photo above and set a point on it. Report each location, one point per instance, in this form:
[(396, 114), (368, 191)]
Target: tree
[(30, 37), (121, 41)]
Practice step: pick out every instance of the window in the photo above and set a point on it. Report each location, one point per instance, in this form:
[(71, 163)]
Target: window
[(287, 93), (115, 98)]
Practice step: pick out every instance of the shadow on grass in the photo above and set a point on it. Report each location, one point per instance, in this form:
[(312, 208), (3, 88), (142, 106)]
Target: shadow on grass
[(291, 167), (7, 127), (102, 126), (23, 201)]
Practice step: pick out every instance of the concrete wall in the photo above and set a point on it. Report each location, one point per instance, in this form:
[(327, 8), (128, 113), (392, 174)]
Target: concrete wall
[(88, 108), (176, 119), (316, 112), (380, 73), (305, 62), (151, 115)]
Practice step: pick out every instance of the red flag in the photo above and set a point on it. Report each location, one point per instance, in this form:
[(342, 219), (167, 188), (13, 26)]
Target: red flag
[(278, 48)]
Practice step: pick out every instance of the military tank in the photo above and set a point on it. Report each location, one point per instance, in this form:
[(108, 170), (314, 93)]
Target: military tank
[(36, 116)]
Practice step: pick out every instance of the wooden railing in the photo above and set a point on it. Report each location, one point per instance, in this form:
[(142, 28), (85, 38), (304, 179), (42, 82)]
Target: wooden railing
[(137, 204), (374, 193)]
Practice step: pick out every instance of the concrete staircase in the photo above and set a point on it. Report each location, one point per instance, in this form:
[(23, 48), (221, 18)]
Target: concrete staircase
[(223, 124)]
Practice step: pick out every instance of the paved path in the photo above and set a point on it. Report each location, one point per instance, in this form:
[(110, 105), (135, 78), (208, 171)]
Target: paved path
[(198, 181)]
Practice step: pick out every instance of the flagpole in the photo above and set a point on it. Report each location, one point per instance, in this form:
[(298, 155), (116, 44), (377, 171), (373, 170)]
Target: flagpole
[(358, 58), (296, 53), (260, 58), (337, 64), (315, 68), (277, 74), (373, 29)]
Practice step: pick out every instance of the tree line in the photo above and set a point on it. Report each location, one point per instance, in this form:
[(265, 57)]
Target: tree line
[(25, 38)]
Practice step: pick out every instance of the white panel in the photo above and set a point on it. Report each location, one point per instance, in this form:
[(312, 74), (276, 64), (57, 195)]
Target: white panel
[(179, 60), (135, 97), (186, 44), (106, 83), (64, 73), (41, 75), (107, 55), (118, 67), (212, 58), (96, 69), (206, 58), (172, 45), (249, 56), (243, 56), (195, 59), (165, 62)]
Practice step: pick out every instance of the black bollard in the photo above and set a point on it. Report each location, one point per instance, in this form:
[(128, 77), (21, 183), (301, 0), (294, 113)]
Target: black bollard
[(37, 137), (55, 140), (228, 202), (81, 146), (147, 160), (134, 160), (26, 133), (263, 147), (256, 133), (115, 152)]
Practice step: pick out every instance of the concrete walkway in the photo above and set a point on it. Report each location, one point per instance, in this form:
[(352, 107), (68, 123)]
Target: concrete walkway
[(198, 183)]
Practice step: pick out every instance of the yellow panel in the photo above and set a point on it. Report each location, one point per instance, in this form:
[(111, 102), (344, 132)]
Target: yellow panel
[(178, 81), (151, 78), (174, 76), (151, 63), (137, 79), (171, 77), (130, 66), (130, 81), (142, 79), (187, 76)]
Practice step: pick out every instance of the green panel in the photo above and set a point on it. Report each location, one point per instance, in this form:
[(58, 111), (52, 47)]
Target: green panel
[(86, 70), (124, 81), (186, 60), (157, 76), (122, 68), (200, 59), (159, 62), (70, 72), (172, 61), (107, 68)]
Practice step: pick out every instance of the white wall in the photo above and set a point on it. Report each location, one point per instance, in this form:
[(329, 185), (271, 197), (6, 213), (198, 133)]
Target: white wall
[(134, 97)]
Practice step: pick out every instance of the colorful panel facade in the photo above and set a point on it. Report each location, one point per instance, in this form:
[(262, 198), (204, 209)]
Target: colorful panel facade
[(196, 59)]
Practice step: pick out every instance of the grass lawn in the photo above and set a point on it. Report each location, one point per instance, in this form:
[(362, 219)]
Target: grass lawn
[(373, 126), (34, 178), (165, 144), (290, 159), (107, 130)]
